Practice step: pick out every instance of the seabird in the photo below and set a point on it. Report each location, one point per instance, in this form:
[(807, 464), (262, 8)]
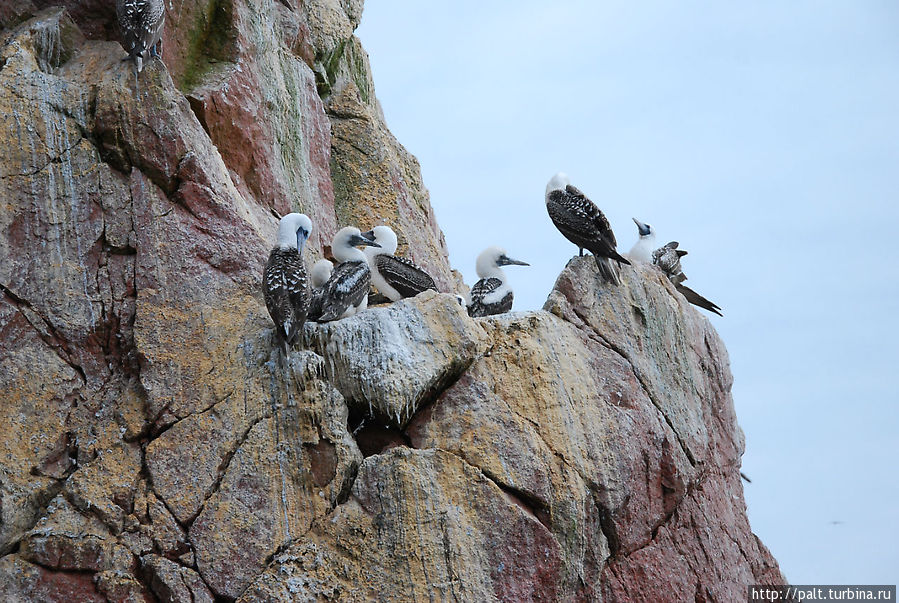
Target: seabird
[(492, 294), (346, 292), (320, 273), (668, 259), (582, 223), (318, 276), (141, 23), (286, 292), (393, 276), (645, 245)]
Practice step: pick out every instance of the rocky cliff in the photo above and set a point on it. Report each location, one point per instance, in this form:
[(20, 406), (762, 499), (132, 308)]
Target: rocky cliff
[(154, 447)]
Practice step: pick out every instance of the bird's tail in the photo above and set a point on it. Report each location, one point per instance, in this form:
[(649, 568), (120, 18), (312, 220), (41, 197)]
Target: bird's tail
[(608, 272), (698, 300), (282, 342), (296, 330), (619, 258)]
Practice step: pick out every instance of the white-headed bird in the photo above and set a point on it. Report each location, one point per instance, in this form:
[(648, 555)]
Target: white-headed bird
[(284, 284), (582, 223)]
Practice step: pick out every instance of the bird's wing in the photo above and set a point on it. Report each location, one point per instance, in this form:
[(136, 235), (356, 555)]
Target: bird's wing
[(505, 303), (276, 293), (403, 275), (698, 300), (479, 291), (316, 304), (582, 223), (348, 284), (594, 214), (668, 259), (297, 291)]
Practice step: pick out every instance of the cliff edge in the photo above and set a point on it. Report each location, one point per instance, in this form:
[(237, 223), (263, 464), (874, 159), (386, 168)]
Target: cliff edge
[(155, 446)]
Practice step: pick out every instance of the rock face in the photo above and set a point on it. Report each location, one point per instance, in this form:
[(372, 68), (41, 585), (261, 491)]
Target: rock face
[(156, 447)]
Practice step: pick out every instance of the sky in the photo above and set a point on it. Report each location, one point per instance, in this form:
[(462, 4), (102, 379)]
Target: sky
[(764, 136)]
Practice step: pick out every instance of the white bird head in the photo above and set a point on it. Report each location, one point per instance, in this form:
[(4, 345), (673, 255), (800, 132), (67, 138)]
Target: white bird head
[(293, 231), (320, 273), (490, 260), (645, 230), (557, 183), (343, 246), (383, 236)]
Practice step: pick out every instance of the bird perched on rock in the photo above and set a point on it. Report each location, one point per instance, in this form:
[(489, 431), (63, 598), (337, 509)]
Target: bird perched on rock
[(668, 259), (582, 223), (346, 291), (141, 23), (394, 277), (492, 294), (284, 284), (318, 276), (645, 245)]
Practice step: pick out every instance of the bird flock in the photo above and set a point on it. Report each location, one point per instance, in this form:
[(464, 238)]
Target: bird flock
[(333, 292)]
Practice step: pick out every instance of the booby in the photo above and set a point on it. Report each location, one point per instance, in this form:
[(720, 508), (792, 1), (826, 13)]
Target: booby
[(492, 294), (318, 276), (393, 276), (645, 245), (668, 259), (141, 24), (286, 292), (346, 291), (582, 223), (320, 273)]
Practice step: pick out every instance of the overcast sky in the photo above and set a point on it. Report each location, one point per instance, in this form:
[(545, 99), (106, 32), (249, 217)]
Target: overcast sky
[(764, 136)]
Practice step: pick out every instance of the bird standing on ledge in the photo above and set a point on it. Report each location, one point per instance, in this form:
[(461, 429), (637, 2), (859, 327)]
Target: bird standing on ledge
[(395, 277), (645, 245), (141, 23), (346, 292), (668, 259), (492, 294), (284, 281), (582, 223), (318, 276)]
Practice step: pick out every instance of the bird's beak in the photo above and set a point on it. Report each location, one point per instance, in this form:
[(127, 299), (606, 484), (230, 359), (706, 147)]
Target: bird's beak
[(369, 234), (507, 261), (643, 228), (357, 240), (302, 237)]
